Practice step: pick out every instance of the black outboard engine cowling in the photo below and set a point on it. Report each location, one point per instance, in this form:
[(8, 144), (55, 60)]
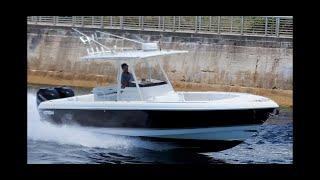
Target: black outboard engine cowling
[(45, 94), (65, 92)]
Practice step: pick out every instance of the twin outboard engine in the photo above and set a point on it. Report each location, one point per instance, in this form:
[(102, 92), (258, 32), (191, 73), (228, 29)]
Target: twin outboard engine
[(45, 94)]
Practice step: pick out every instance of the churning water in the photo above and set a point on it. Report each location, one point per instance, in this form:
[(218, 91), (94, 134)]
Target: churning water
[(50, 144)]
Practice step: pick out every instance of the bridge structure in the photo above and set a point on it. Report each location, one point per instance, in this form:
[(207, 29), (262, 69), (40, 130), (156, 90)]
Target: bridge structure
[(261, 26)]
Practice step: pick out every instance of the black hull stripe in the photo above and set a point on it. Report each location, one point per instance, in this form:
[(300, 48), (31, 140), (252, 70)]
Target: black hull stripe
[(156, 119)]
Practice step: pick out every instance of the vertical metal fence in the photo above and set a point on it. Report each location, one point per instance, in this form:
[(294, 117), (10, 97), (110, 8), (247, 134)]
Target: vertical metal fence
[(276, 26)]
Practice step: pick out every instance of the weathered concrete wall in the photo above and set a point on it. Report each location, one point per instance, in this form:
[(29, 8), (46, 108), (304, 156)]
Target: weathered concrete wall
[(227, 60)]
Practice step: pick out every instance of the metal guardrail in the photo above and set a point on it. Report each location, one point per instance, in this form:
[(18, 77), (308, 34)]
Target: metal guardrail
[(274, 26)]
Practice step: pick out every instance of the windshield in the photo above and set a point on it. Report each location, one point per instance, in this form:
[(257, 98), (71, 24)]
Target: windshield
[(149, 73)]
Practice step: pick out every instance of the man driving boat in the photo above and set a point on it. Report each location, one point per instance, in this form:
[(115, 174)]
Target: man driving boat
[(126, 76)]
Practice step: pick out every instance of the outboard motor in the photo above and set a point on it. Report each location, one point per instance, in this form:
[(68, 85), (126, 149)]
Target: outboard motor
[(45, 94), (65, 92)]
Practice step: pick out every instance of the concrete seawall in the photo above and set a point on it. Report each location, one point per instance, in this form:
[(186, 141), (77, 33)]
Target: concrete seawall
[(212, 59)]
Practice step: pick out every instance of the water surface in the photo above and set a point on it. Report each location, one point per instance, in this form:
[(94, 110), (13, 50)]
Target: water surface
[(50, 144)]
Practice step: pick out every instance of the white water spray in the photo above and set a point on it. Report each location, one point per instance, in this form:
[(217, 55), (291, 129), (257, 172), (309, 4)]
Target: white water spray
[(44, 131)]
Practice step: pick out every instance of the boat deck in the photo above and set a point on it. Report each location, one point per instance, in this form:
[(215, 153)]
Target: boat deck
[(181, 97), (178, 101)]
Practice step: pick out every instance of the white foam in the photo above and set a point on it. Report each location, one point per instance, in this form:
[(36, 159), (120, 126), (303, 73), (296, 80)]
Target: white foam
[(75, 135)]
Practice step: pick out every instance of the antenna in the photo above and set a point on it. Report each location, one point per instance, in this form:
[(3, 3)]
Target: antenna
[(121, 37), (145, 46), (87, 39)]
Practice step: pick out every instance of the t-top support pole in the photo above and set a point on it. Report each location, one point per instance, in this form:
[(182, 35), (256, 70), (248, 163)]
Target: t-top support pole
[(135, 79), (164, 73), (118, 81)]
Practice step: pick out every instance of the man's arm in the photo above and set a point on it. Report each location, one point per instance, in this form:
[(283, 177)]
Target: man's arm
[(123, 82), (131, 77)]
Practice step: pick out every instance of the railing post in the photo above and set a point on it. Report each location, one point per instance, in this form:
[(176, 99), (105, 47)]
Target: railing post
[(210, 23), (266, 26), (82, 21), (200, 19), (121, 22), (40, 18), (92, 20), (219, 19), (277, 26), (73, 20), (195, 24), (231, 23), (142, 21), (34, 19), (163, 27), (159, 23), (242, 20), (101, 19), (111, 21), (174, 23), (55, 20), (179, 22)]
